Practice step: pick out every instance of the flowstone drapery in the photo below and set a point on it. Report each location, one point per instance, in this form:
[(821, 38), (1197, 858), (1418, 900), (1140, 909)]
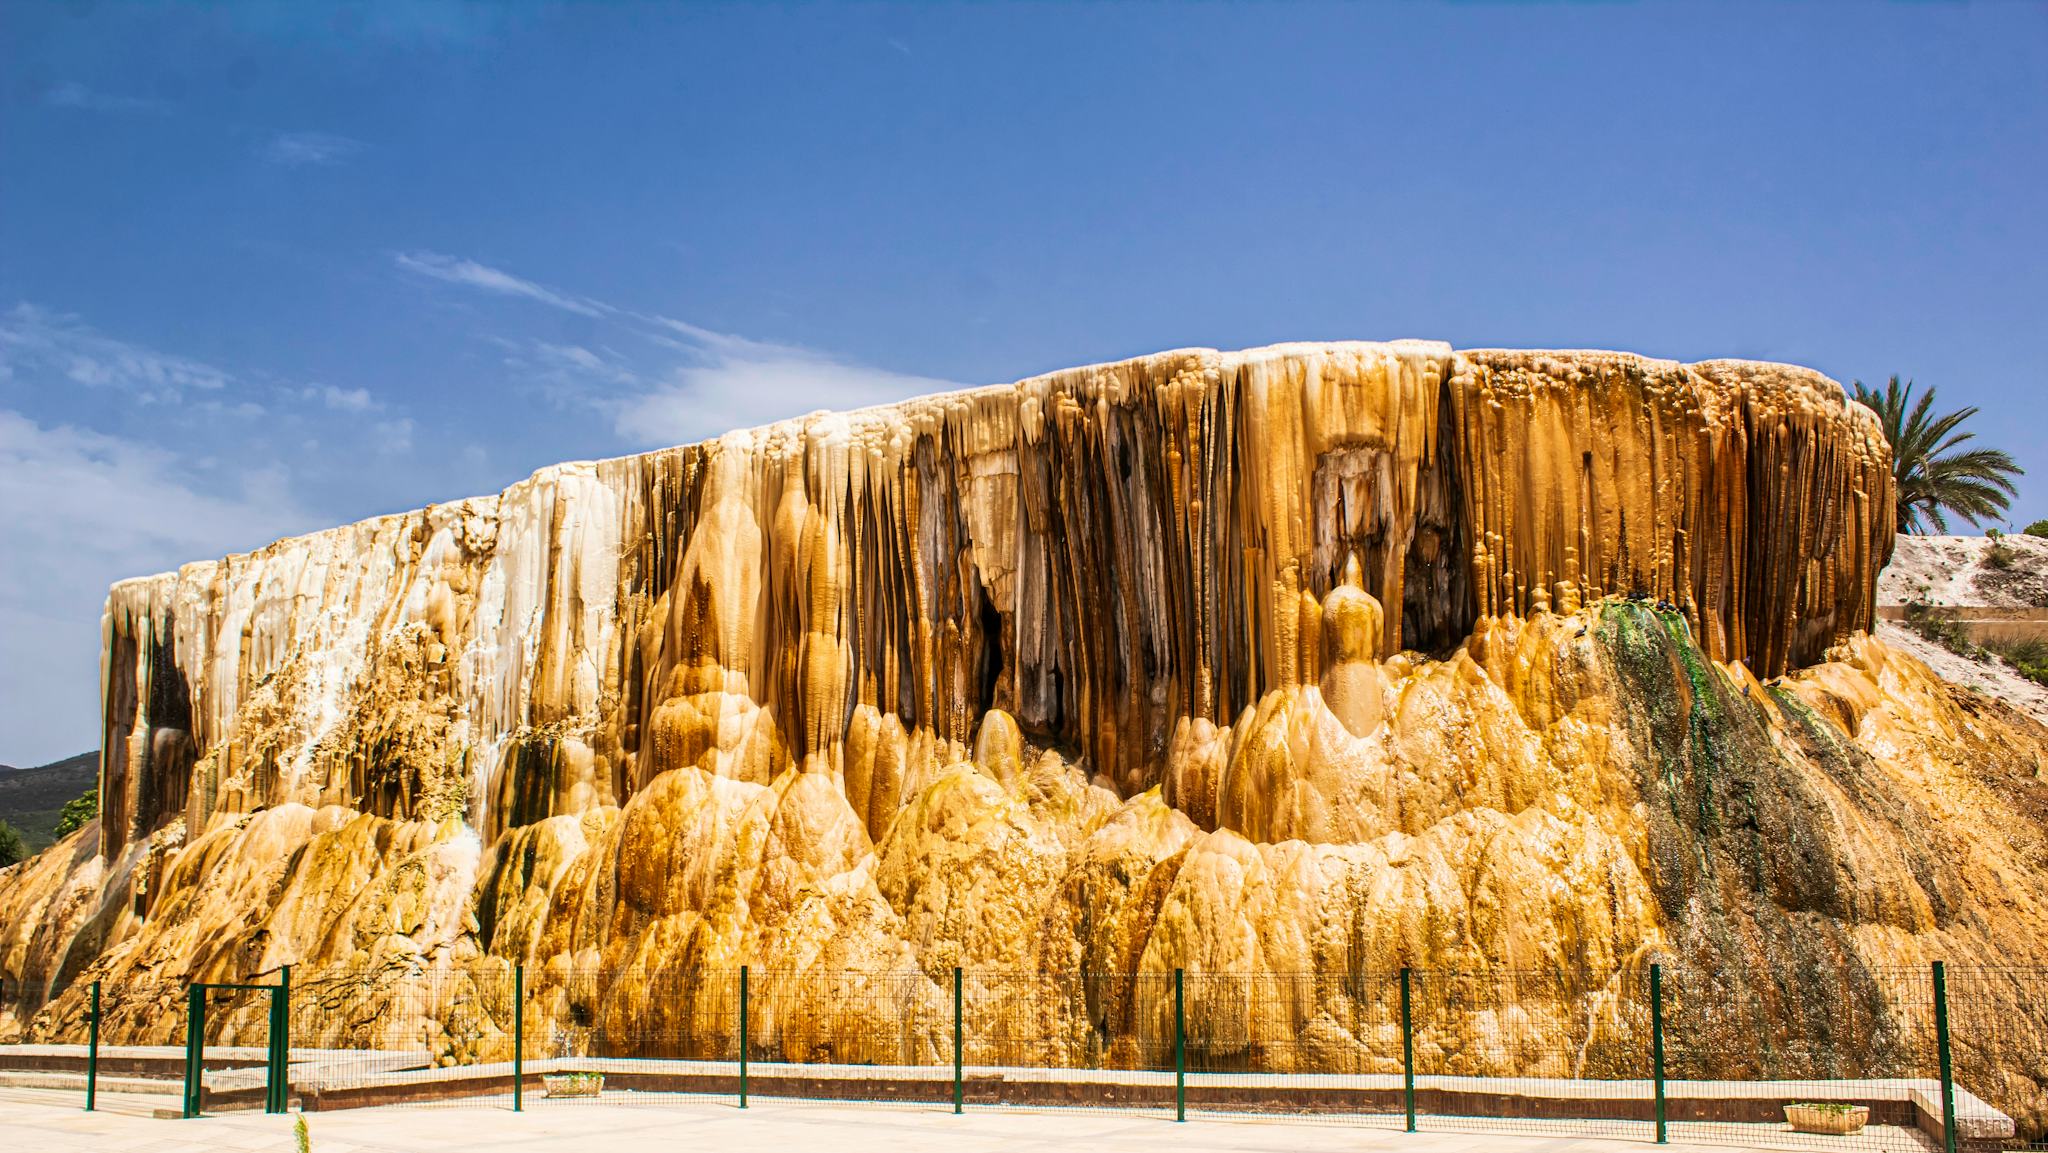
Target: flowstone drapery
[(1316, 657)]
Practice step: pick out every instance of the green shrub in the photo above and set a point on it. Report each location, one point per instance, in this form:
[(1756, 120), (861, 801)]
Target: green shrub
[(1940, 626), (11, 848), (77, 811), (2038, 528), (2028, 657)]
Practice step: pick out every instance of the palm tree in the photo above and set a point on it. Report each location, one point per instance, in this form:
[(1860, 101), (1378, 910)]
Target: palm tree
[(1929, 472)]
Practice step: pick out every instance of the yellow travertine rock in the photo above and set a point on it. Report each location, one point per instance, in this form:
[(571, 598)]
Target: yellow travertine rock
[(1319, 659)]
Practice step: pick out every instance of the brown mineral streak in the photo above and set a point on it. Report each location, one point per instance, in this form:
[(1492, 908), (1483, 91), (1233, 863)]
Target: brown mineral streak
[(1271, 660), (1099, 552)]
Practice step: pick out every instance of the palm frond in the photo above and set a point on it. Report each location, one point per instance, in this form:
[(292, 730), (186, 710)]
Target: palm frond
[(1933, 475)]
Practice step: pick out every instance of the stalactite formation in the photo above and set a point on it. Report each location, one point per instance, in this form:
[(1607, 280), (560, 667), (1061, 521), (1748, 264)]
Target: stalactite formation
[(1100, 553), (1317, 657)]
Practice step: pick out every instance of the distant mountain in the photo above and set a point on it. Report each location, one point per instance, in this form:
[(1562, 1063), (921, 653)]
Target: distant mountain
[(32, 798)]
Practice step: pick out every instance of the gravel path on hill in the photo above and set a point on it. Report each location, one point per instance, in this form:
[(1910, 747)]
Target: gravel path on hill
[(1992, 678), (1951, 571)]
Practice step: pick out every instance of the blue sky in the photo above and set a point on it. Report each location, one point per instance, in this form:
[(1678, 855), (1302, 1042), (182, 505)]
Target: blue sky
[(268, 268)]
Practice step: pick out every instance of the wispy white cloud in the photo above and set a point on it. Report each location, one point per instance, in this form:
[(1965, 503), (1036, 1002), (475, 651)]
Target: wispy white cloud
[(36, 340), (88, 494), (484, 278), (342, 399), (730, 382), (95, 486), (573, 356), (80, 511), (43, 349), (394, 436), (240, 409), (303, 149), (688, 382), (72, 94)]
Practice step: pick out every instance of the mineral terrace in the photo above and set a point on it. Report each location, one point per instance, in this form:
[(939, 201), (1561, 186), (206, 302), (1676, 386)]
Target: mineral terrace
[(1316, 658)]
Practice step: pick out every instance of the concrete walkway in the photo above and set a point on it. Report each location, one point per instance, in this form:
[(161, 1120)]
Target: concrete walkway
[(52, 1121)]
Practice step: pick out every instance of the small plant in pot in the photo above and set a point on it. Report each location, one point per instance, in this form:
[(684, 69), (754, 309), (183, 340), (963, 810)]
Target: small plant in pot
[(1827, 1117), (569, 1042), (573, 1084)]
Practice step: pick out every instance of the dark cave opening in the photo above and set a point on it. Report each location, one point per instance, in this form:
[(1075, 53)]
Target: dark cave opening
[(1437, 602), (166, 776), (989, 675)]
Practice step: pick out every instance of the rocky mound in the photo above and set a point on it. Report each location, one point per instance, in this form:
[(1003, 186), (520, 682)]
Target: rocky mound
[(2006, 572), (1322, 659), (1967, 606)]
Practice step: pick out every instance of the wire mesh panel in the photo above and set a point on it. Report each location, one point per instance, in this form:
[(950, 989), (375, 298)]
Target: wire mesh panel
[(650, 1034), (1094, 1040), (1540, 1051), (148, 1014), (405, 1037), (1325, 1045), (1535, 1051), (1850, 1050), (1998, 1029), (851, 1036), (681, 1015), (139, 1064), (233, 1050), (633, 1034)]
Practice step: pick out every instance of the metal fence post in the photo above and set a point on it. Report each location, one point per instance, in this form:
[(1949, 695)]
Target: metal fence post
[(743, 1036), (518, 1038), (1407, 1051), (92, 1052), (284, 1043), (959, 1043), (1180, 1048), (1948, 1083), (270, 1056), (195, 1045), (1657, 1041)]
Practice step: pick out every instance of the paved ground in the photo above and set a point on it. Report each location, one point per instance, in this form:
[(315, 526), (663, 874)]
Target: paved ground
[(52, 1121)]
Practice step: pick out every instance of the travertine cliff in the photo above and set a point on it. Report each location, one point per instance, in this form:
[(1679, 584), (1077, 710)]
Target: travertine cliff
[(1314, 658)]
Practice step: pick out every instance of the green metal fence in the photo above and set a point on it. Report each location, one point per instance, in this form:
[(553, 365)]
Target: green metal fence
[(1934, 1057), (232, 1005)]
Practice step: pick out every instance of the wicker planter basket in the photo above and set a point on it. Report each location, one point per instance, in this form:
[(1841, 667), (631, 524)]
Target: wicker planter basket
[(1840, 1120), (573, 1084)]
